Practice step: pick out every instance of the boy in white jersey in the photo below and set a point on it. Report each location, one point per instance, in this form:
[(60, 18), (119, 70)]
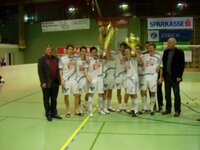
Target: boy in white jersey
[(120, 75), (67, 66), (108, 80), (94, 75), (132, 81), (80, 72), (152, 65)]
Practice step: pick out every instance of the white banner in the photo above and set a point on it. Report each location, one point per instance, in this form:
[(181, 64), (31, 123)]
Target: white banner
[(63, 25), (170, 23)]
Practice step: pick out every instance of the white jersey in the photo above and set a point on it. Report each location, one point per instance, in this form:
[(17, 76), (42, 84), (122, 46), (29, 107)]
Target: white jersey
[(80, 66), (132, 68), (151, 63), (120, 64), (95, 68), (68, 65), (141, 67), (109, 68)]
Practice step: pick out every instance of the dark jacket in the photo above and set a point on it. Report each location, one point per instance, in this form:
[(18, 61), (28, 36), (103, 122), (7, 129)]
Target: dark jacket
[(177, 64), (44, 71)]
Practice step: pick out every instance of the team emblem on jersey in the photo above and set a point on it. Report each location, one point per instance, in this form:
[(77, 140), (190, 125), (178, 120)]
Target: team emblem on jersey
[(91, 88)]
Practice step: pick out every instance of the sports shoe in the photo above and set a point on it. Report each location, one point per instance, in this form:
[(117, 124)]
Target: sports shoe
[(101, 111), (111, 109), (106, 111), (152, 113), (119, 109), (134, 114), (143, 111)]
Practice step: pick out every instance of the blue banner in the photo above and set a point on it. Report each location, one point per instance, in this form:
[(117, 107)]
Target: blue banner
[(179, 35)]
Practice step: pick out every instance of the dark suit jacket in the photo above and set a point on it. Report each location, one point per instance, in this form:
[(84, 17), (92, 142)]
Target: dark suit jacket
[(44, 71), (177, 65)]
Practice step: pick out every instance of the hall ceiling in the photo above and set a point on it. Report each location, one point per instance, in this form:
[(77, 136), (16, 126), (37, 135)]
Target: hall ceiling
[(68, 9)]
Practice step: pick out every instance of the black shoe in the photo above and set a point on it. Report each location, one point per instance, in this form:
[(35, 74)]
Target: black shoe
[(152, 113), (56, 116), (166, 112), (177, 114), (198, 119), (111, 109), (134, 114), (143, 111), (49, 118)]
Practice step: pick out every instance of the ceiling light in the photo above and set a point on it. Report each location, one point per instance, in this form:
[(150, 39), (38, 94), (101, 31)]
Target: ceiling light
[(71, 9), (124, 6)]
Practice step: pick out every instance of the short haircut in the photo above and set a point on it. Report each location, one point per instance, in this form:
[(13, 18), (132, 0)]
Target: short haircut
[(147, 42), (128, 47), (124, 44), (69, 45), (138, 45), (82, 47), (93, 48), (152, 44)]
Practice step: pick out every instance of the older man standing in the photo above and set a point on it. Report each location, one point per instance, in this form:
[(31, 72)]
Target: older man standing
[(49, 79), (173, 68)]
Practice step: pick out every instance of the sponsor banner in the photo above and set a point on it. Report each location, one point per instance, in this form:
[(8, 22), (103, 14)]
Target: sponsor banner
[(123, 21), (179, 35), (170, 23), (164, 35), (63, 25)]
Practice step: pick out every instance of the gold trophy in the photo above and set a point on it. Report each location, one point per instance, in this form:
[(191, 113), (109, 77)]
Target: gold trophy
[(132, 41), (106, 37)]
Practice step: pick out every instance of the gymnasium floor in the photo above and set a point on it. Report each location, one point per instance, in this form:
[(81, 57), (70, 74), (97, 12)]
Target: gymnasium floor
[(23, 125)]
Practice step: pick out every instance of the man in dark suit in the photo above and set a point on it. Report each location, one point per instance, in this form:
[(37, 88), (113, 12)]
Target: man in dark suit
[(49, 79), (173, 68)]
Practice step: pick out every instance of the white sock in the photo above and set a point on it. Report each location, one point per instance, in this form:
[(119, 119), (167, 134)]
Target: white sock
[(153, 101), (120, 106), (144, 101), (135, 104), (100, 103), (90, 99)]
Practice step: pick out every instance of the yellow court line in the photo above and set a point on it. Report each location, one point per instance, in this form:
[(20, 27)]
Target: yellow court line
[(76, 131)]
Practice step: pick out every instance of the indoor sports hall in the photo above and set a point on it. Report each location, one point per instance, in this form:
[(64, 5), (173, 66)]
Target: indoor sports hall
[(27, 27)]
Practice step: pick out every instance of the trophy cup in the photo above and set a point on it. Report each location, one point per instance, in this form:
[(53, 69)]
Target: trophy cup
[(106, 37), (132, 41)]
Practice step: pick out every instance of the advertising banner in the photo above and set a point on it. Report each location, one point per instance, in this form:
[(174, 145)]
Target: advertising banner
[(170, 23), (164, 35), (63, 25)]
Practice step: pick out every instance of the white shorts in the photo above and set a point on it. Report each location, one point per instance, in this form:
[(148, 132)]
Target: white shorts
[(120, 81), (70, 87), (109, 82), (82, 85), (132, 86), (150, 82), (141, 81), (96, 85)]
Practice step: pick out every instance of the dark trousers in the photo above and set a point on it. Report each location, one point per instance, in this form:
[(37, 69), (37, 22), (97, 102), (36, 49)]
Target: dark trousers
[(50, 99), (169, 83), (159, 95)]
